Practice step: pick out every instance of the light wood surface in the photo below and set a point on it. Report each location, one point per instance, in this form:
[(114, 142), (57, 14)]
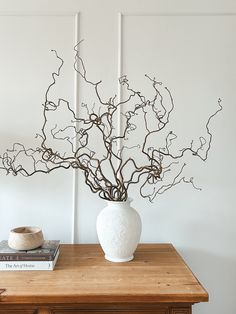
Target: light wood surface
[(82, 275)]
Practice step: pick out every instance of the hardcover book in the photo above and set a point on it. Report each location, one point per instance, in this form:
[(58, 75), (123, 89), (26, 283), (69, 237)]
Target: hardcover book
[(28, 265), (46, 252)]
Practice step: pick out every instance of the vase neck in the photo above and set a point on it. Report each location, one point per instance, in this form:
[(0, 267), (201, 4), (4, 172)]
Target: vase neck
[(119, 203)]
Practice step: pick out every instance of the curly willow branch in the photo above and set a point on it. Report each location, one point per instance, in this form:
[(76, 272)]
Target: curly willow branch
[(157, 162)]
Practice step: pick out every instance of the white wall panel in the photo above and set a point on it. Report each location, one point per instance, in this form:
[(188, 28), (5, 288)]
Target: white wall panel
[(189, 46), (26, 63)]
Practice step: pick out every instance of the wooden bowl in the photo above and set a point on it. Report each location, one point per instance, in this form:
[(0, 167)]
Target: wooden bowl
[(25, 238)]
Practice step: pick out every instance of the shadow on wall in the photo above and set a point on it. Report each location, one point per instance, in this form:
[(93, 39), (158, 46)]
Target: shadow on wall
[(218, 276)]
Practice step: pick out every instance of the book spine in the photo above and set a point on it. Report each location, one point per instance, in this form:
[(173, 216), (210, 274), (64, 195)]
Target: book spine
[(26, 257), (16, 258), (28, 265)]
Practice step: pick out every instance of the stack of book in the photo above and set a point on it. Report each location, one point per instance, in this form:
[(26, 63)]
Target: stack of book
[(42, 258)]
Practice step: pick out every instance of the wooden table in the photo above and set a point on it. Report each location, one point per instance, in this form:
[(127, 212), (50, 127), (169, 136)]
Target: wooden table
[(156, 281)]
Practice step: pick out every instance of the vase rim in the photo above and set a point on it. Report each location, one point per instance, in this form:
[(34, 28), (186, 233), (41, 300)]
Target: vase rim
[(129, 200)]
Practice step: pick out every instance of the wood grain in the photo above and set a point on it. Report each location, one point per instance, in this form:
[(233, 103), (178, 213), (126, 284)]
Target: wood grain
[(17, 311), (156, 311), (44, 311), (181, 310), (82, 275)]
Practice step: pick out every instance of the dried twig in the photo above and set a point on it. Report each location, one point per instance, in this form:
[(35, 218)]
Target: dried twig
[(123, 171)]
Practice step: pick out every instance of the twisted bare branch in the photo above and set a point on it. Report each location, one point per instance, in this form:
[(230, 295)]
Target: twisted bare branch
[(111, 173)]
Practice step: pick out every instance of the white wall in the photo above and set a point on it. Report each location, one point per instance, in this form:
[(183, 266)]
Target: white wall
[(190, 46)]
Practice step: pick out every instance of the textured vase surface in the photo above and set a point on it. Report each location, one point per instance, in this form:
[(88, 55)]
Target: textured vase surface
[(119, 228)]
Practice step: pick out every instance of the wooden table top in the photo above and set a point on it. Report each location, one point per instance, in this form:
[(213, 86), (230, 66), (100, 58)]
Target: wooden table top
[(82, 275)]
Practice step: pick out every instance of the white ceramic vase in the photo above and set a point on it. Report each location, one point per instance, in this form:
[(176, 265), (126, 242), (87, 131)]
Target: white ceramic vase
[(119, 228)]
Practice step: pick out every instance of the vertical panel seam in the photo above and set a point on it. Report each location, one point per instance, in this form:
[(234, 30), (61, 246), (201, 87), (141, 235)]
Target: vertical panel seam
[(119, 72), (75, 173)]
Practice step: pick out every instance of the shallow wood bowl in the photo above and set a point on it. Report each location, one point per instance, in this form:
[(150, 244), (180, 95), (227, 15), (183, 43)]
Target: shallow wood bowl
[(25, 238)]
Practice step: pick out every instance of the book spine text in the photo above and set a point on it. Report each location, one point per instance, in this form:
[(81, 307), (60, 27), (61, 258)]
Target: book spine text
[(28, 265)]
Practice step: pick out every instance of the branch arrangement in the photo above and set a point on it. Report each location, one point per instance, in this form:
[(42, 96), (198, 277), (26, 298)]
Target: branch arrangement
[(118, 163)]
